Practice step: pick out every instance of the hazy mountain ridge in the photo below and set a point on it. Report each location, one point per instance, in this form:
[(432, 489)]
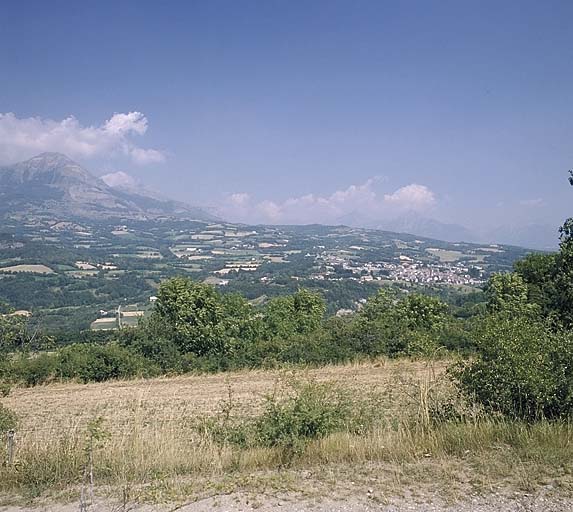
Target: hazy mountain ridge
[(53, 184), (534, 236)]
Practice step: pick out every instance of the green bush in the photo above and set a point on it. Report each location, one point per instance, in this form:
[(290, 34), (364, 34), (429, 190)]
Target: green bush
[(522, 368), (291, 315), (86, 363), (96, 363), (157, 349), (296, 414), (388, 325), (8, 419), (5, 388), (34, 369), (313, 411)]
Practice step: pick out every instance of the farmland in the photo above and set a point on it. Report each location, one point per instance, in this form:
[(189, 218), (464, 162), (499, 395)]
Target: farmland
[(34, 269), (68, 273)]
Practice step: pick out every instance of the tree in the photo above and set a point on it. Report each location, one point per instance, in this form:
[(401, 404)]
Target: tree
[(15, 335), (289, 315), (538, 273), (378, 305), (508, 293), (550, 277), (309, 309), (12, 333), (421, 311), (194, 314), (522, 368), (243, 323), (388, 325), (564, 271)]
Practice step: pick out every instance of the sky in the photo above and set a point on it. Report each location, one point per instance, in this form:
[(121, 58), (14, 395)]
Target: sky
[(303, 111)]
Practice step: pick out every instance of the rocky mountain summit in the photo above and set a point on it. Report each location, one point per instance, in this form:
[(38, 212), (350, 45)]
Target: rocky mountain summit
[(51, 184)]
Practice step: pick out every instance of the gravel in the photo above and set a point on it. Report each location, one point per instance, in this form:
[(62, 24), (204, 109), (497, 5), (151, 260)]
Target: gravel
[(369, 502)]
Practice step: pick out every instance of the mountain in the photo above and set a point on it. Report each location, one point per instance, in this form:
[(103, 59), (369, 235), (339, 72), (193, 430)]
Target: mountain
[(52, 184), (413, 224), (535, 236), (152, 202)]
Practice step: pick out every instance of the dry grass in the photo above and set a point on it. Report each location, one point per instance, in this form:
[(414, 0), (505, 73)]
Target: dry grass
[(49, 409), (152, 441), (35, 269)]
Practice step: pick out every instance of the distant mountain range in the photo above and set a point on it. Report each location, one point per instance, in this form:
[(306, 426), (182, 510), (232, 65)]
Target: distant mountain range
[(52, 184), (533, 236)]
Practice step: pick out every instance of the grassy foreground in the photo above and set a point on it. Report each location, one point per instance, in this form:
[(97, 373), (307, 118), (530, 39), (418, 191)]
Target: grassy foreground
[(153, 437)]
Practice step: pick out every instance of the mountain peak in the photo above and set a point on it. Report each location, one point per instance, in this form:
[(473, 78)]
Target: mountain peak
[(52, 183), (52, 157), (51, 154)]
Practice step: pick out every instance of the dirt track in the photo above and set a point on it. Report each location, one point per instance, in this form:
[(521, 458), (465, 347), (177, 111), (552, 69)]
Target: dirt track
[(240, 502)]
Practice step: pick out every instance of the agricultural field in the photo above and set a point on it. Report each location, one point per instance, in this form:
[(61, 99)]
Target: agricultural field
[(46, 266), (104, 324), (33, 269), (159, 441), (445, 255)]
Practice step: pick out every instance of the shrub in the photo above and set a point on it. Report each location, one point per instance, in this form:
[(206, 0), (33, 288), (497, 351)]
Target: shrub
[(522, 369), (95, 363), (443, 402), (160, 351), (35, 369), (313, 411), (5, 388), (8, 419), (296, 414)]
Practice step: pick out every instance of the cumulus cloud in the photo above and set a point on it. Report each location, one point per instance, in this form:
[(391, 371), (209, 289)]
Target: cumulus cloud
[(125, 123), (119, 179), (414, 196), (146, 156), (240, 199), (22, 138), (362, 199)]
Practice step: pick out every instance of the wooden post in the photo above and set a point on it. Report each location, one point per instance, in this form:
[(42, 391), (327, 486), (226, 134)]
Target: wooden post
[(10, 446)]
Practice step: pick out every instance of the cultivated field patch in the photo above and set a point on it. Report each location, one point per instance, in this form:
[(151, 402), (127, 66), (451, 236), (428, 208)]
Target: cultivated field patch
[(35, 269)]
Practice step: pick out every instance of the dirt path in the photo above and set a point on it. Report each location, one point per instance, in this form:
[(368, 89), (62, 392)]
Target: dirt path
[(240, 502)]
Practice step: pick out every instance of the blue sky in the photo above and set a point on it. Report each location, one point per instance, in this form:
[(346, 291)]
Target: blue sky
[(300, 111)]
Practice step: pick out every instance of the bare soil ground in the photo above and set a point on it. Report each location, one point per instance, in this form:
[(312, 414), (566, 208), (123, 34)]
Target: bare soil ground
[(359, 501)]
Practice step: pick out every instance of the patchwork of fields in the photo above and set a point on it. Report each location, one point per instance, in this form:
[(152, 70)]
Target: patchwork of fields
[(66, 274)]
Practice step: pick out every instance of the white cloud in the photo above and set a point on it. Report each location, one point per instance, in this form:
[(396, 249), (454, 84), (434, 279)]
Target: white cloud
[(360, 199), (414, 197), (119, 179), (240, 199), (146, 156), (22, 138), (531, 202), (125, 123)]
